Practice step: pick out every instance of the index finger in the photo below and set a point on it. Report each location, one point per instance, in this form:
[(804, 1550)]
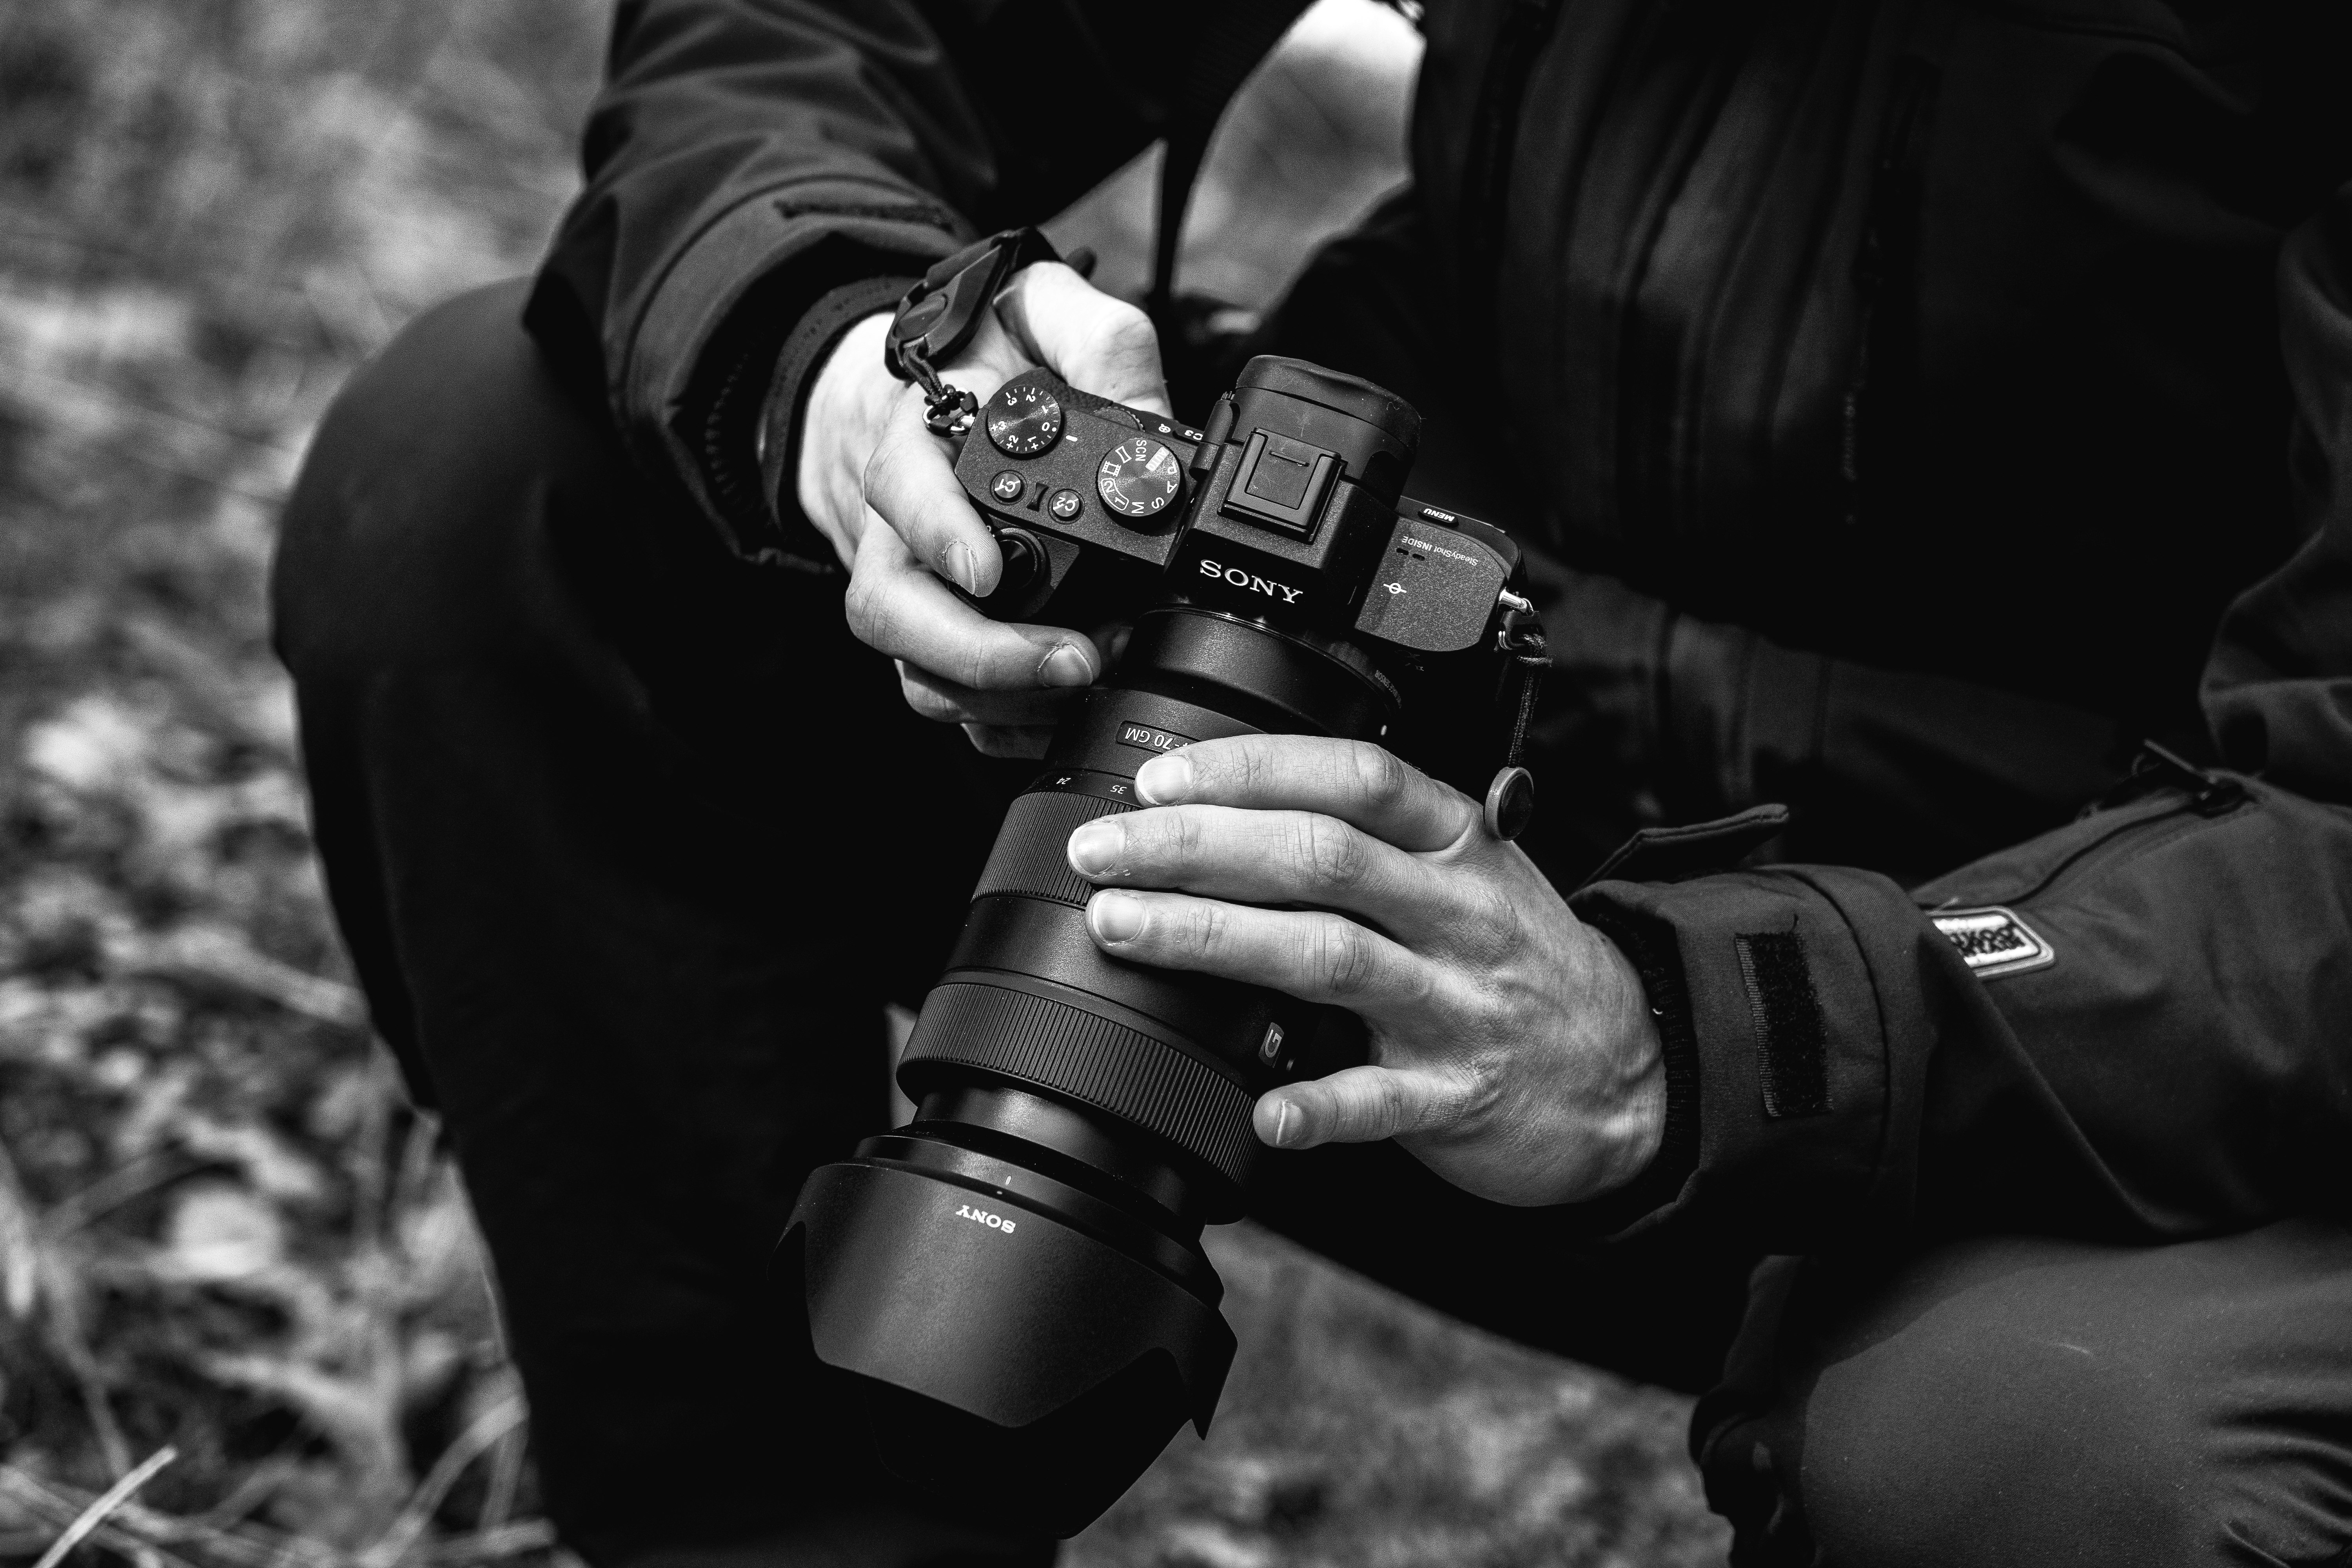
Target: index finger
[(1362, 785), (1357, 1105)]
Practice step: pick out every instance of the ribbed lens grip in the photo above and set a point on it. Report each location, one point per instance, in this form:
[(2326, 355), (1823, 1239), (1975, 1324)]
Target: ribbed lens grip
[(1092, 1059), (1032, 848)]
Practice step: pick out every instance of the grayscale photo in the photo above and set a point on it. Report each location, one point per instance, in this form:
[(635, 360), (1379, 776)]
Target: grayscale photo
[(1286, 783)]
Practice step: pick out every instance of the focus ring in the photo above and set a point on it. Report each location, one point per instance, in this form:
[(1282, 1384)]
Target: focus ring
[(1032, 857), (1089, 1058)]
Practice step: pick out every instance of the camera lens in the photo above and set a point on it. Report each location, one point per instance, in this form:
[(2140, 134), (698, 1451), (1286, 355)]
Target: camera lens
[(1012, 1285)]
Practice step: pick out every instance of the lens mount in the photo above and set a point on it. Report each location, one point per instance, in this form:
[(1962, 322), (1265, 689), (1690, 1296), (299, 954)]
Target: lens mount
[(1280, 680)]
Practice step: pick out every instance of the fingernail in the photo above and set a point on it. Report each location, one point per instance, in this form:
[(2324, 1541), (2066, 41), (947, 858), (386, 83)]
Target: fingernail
[(964, 567), (1064, 665), (1164, 781), (1286, 1124), (1116, 917), (1095, 847)]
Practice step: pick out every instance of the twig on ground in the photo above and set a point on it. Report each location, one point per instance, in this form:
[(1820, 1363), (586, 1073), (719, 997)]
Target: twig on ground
[(505, 1480), (20, 1242), (225, 958), (134, 1526), (114, 1497), (489, 1545), (487, 1429), (119, 1186), (252, 1491), (33, 1271)]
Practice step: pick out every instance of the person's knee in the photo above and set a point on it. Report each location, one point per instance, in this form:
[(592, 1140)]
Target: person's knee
[(2017, 1420), (406, 505)]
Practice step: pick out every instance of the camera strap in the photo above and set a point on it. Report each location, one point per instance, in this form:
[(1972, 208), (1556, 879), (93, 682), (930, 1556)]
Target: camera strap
[(1522, 638), (1226, 44), (938, 317)]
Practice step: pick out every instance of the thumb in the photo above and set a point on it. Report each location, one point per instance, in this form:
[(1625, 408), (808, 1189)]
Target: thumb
[(1094, 340), (1356, 1105)]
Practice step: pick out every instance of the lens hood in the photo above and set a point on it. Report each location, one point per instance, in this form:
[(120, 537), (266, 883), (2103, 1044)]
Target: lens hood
[(993, 1344)]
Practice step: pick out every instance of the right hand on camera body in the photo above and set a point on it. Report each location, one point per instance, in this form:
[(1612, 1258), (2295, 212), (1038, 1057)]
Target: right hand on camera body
[(883, 489)]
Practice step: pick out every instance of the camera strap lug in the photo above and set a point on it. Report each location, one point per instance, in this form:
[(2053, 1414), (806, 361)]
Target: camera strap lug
[(938, 317)]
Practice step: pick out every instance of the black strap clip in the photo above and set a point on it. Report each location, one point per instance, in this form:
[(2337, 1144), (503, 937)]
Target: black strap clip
[(1521, 640), (938, 317), (2209, 793)]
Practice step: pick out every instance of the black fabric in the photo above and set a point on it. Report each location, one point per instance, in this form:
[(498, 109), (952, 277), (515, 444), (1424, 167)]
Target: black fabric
[(1790, 1064), (1688, 850), (2018, 1400)]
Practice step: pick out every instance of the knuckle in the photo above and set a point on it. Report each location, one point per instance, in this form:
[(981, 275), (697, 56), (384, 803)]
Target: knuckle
[(864, 605), (1492, 922), (1381, 777), (1253, 766), (1377, 1112), (1329, 850), (1340, 957), (881, 466), (1178, 837), (925, 701), (1207, 931)]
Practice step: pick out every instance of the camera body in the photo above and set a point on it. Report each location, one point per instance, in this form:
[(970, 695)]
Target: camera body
[(1286, 511), (1012, 1286)]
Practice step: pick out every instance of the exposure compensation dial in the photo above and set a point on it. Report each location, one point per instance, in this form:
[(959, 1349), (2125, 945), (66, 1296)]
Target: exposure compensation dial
[(1024, 421)]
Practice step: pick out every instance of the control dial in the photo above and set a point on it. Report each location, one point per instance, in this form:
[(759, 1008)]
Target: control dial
[(1139, 477), (1024, 421)]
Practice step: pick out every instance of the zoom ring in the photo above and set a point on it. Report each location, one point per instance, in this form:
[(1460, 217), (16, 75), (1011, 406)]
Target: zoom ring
[(1089, 1058), (1032, 857)]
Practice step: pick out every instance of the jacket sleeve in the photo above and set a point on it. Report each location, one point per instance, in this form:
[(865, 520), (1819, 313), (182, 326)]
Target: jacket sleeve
[(749, 161), (2154, 1039)]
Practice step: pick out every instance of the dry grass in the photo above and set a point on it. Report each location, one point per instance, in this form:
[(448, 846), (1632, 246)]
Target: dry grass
[(225, 1243)]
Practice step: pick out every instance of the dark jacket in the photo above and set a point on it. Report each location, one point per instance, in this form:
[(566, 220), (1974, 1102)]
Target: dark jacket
[(1957, 392)]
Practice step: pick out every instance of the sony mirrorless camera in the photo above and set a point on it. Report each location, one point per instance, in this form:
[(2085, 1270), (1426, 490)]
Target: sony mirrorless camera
[(1012, 1286)]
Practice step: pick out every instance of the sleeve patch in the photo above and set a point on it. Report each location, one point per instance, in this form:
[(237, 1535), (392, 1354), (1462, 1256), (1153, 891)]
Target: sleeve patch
[(1791, 1047), (1994, 941)]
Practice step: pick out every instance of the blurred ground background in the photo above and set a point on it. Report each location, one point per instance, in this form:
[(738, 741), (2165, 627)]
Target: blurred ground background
[(222, 1232)]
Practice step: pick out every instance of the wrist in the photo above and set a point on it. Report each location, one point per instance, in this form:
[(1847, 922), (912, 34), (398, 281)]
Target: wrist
[(844, 411), (1635, 1128)]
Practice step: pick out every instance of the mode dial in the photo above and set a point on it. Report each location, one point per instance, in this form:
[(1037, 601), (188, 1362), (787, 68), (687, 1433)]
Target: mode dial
[(1139, 477), (1023, 420)]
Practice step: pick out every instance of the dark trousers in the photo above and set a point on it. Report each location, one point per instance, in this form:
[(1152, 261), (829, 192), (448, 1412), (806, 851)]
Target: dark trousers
[(630, 843)]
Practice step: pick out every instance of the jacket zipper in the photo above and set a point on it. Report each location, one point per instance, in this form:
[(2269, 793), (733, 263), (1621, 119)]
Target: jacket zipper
[(2220, 799)]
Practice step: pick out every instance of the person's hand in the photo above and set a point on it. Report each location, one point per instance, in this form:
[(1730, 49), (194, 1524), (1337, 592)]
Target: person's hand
[(1513, 1049), (883, 489)]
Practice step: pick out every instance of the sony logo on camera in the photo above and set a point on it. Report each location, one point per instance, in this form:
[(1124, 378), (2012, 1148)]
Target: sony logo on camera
[(1250, 580)]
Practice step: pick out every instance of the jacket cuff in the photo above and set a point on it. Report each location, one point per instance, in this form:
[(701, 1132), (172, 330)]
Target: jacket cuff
[(1649, 945), (807, 348), (1801, 1014), (693, 379)]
